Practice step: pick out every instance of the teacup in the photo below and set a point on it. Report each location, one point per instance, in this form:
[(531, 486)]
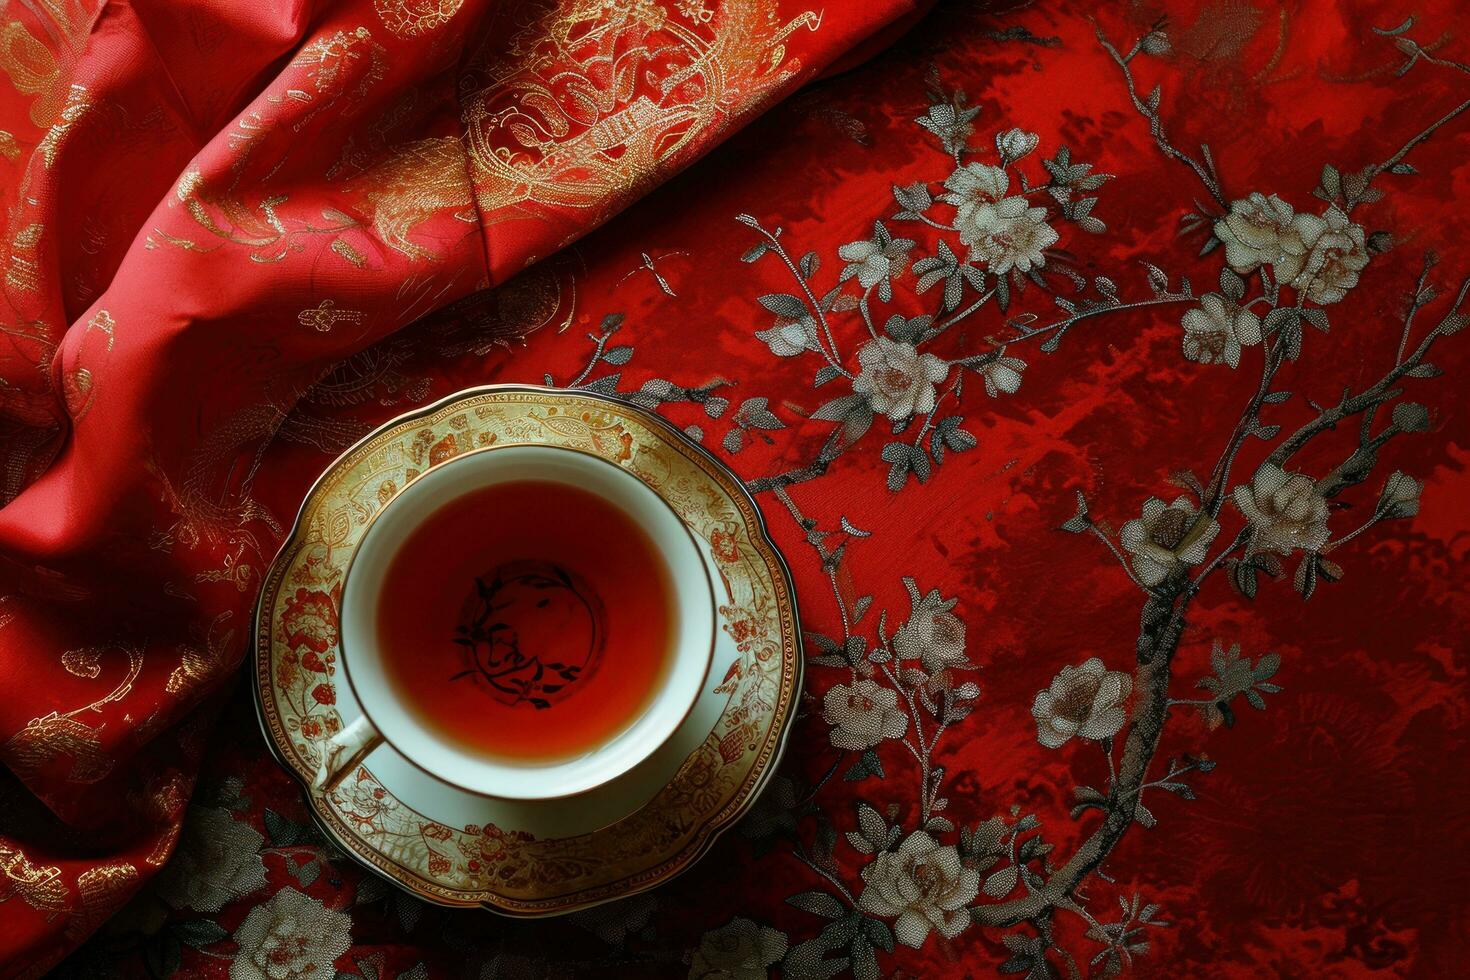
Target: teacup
[(488, 657)]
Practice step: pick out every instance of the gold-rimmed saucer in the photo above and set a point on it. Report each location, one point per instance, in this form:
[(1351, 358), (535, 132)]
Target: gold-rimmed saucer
[(457, 849)]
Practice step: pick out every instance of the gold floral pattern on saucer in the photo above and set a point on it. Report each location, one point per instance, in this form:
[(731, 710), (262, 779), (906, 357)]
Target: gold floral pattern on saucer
[(505, 868)]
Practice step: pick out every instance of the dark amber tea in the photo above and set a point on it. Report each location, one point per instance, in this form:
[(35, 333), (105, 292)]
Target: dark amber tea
[(529, 621)]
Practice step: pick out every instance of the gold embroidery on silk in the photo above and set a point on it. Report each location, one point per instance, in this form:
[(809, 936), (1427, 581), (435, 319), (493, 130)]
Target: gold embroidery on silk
[(218, 520), (36, 69), (582, 110), (203, 661), (78, 104), (100, 892), (586, 117), (410, 18), (77, 385), (333, 64), (331, 72), (32, 69), (326, 315), (40, 887), (85, 662), (24, 270), (412, 183), (9, 148), (66, 736), (159, 856), (344, 249)]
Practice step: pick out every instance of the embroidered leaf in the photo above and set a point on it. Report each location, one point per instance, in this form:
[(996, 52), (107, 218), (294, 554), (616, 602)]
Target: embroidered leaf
[(841, 408), (783, 304), (754, 252), (283, 832), (805, 962), (199, 932), (1081, 521), (872, 826), (879, 934), (818, 903), (1002, 883)]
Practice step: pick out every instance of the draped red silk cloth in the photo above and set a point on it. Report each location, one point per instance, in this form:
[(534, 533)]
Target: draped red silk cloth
[(210, 204), (238, 236)]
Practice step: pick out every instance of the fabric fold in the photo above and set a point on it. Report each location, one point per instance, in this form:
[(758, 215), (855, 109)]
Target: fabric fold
[(208, 210)]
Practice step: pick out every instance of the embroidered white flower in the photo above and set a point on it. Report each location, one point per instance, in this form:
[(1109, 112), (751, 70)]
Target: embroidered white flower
[(1217, 329), (738, 950), (1014, 144), (933, 635), (924, 884), (1003, 376), (1258, 231), (1085, 701), (1009, 234), (973, 186), (862, 714), (874, 259), (1337, 251), (790, 337), (290, 937), (1286, 511), (1166, 537), (1400, 495), (217, 861), (896, 379)]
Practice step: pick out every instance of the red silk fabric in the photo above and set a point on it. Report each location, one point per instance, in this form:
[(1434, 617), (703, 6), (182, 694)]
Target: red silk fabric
[(259, 199), (208, 206)]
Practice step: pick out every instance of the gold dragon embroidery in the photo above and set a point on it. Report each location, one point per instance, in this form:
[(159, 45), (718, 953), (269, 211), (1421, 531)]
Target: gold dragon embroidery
[(582, 109)]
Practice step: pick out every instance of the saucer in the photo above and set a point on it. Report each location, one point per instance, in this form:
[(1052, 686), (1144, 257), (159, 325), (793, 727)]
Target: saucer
[(545, 857)]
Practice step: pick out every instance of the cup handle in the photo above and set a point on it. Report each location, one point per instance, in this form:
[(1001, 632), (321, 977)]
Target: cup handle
[(343, 751)]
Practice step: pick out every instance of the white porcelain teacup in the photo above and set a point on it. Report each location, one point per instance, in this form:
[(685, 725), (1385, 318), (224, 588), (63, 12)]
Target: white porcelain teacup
[(386, 718)]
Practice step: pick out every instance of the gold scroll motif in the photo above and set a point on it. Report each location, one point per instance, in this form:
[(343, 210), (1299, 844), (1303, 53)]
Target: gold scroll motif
[(55, 735), (34, 67), (411, 18), (333, 72), (583, 107)]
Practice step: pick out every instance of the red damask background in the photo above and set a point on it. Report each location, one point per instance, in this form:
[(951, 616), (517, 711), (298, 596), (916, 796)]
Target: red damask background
[(151, 456)]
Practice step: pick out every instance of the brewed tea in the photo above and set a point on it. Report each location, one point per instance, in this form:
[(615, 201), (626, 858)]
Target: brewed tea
[(528, 621)]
